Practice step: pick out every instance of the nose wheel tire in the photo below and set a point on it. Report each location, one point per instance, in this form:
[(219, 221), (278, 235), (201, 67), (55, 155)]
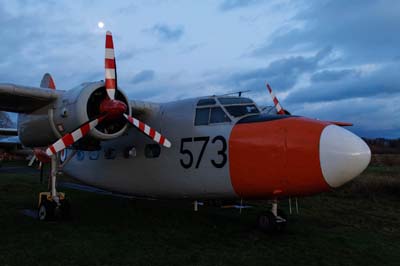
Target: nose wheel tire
[(266, 222), (281, 221), (269, 223)]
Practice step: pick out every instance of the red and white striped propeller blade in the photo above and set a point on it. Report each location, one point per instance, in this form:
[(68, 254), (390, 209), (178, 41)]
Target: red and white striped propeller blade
[(278, 107), (110, 67), (153, 134), (73, 137)]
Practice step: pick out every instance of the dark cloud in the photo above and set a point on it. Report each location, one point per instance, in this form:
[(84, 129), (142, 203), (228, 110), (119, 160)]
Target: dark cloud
[(333, 75), (365, 31), (382, 81), (282, 73), (372, 117), (358, 81), (333, 84), (167, 33), (227, 5), (36, 40), (143, 76)]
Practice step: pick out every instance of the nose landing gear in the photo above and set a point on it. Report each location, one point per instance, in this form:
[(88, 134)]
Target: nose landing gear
[(273, 221)]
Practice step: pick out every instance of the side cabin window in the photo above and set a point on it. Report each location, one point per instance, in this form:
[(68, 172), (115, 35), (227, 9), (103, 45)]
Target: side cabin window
[(210, 114)]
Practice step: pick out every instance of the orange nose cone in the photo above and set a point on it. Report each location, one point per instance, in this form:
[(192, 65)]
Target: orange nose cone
[(276, 158)]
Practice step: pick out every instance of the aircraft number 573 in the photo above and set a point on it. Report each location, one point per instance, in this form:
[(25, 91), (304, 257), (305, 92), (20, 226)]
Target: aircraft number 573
[(218, 162)]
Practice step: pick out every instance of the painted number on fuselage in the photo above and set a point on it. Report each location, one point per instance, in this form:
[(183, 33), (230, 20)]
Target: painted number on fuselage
[(221, 152), (188, 161)]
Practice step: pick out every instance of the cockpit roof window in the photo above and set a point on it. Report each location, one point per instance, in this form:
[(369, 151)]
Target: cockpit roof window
[(203, 102), (234, 100)]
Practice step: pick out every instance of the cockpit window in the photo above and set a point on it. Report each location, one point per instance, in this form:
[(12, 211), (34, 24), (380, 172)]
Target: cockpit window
[(218, 116), (241, 110), (210, 115), (202, 116), (203, 102), (222, 109)]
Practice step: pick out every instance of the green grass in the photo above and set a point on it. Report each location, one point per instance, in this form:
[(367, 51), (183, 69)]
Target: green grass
[(356, 225)]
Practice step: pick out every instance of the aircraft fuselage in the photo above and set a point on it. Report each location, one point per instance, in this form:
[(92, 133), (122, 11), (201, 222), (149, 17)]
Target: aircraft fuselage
[(255, 156)]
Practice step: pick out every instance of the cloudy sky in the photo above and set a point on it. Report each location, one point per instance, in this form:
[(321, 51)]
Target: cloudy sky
[(334, 60)]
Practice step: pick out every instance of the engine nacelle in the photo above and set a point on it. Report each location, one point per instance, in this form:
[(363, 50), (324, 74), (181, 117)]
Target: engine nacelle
[(72, 109)]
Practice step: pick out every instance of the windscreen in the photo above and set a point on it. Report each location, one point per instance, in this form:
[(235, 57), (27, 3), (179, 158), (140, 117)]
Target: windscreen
[(239, 106)]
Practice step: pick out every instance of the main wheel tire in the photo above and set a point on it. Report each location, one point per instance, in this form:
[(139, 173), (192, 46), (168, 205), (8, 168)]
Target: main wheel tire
[(267, 222), (46, 211)]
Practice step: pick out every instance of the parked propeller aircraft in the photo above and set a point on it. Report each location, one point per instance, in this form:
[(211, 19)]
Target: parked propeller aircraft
[(214, 147), (11, 148)]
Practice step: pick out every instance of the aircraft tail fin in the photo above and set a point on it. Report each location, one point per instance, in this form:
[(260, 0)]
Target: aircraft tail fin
[(47, 82)]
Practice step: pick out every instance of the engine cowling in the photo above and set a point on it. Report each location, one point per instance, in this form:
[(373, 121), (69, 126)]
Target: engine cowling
[(73, 108)]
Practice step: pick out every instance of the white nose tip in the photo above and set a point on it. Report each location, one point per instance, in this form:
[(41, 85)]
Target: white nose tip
[(342, 155)]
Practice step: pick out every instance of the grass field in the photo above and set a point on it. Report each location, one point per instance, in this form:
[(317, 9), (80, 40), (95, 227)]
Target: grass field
[(356, 225)]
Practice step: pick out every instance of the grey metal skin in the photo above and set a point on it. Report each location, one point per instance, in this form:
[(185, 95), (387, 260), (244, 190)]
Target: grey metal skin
[(162, 177)]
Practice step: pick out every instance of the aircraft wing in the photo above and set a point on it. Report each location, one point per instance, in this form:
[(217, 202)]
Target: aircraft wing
[(23, 99)]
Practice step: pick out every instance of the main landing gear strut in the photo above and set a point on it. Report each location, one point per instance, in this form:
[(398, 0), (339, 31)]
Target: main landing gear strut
[(272, 221), (53, 204)]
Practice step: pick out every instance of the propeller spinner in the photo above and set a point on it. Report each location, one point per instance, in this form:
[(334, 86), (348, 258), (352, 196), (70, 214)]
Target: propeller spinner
[(110, 109)]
